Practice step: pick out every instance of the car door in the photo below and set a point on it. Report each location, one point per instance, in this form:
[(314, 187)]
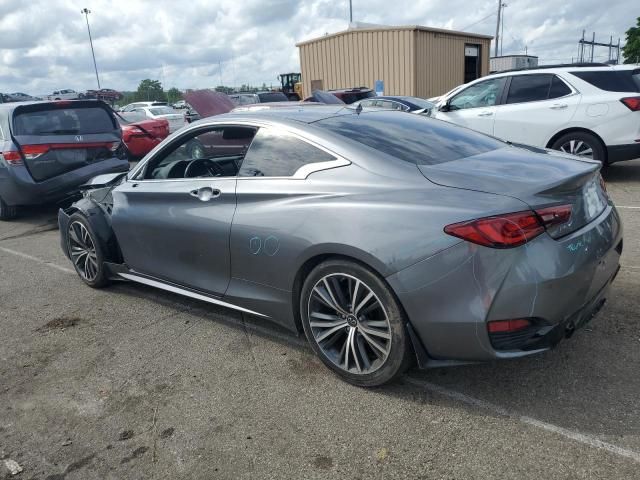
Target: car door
[(172, 217), (474, 106), (271, 184), (535, 107)]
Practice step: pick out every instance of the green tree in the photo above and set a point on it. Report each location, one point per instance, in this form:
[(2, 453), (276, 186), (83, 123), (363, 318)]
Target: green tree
[(631, 50), (150, 90), (173, 95), (223, 89)]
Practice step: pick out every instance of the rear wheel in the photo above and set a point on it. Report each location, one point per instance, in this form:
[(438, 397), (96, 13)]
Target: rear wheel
[(354, 323), (86, 252), (582, 144), (7, 212)]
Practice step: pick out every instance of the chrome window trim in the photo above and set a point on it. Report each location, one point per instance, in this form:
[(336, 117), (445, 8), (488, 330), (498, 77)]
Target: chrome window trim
[(300, 174)]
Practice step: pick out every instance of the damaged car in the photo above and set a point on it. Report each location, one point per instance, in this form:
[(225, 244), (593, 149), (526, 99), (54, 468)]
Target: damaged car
[(384, 237)]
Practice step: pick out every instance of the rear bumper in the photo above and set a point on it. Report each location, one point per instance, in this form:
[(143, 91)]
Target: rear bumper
[(18, 188), (450, 297), (618, 153)]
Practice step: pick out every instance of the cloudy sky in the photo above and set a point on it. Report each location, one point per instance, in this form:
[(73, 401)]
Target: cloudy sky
[(201, 43)]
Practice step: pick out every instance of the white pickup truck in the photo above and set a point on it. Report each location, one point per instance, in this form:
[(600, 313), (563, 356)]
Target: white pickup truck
[(64, 95)]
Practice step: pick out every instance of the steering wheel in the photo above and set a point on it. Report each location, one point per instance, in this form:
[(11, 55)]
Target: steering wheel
[(207, 165)]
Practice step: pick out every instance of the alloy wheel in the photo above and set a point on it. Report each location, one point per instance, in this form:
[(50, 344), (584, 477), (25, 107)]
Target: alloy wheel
[(577, 147), (349, 323), (83, 251)]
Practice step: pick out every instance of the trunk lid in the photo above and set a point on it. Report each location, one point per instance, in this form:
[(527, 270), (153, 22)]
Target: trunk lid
[(208, 103), (58, 137), (537, 177)]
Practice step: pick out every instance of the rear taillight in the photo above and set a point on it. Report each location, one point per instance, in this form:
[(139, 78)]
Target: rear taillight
[(12, 157), (511, 229), (32, 152), (504, 326), (632, 103)]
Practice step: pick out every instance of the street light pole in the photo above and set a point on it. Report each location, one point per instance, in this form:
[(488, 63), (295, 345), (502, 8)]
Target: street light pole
[(86, 12)]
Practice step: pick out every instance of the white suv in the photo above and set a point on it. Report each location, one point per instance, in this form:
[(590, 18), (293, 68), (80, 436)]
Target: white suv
[(590, 111), (64, 95)]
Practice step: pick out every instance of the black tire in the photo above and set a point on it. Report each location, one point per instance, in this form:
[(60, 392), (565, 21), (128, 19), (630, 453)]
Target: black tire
[(591, 142), (383, 308), (7, 212), (96, 275)]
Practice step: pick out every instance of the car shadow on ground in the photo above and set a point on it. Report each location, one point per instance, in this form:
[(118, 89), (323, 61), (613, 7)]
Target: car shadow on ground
[(575, 386)]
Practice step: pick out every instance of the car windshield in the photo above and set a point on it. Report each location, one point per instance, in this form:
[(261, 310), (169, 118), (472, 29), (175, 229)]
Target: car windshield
[(412, 138), (63, 121), (419, 102), (126, 118), (161, 111)]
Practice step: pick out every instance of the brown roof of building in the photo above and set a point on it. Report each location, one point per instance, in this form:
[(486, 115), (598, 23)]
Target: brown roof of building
[(393, 28)]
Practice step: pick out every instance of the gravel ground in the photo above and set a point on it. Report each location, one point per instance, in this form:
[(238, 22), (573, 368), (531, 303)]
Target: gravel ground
[(131, 382)]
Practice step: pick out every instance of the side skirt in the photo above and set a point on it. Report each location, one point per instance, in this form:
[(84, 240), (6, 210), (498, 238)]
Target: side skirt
[(121, 272)]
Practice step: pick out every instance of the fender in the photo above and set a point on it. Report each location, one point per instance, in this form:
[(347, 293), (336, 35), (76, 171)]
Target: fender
[(100, 221)]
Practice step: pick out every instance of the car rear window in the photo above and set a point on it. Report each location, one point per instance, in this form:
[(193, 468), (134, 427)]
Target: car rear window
[(272, 97), (63, 121), (612, 80), (411, 138)]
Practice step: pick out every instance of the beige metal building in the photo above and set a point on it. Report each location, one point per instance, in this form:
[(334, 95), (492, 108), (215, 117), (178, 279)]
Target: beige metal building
[(409, 60)]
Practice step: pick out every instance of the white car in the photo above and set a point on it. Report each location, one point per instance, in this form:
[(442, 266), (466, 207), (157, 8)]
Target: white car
[(589, 111), (132, 106), (66, 94), (176, 119)]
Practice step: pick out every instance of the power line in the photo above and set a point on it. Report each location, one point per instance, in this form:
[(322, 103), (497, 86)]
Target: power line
[(475, 23)]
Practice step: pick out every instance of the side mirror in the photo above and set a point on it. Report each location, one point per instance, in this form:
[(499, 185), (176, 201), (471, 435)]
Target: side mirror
[(445, 107)]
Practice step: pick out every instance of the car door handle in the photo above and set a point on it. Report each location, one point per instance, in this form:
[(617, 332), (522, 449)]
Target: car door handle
[(558, 106), (205, 194), (485, 114)]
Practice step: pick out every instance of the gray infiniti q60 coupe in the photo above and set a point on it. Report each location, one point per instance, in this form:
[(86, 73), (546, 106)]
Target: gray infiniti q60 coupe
[(385, 237)]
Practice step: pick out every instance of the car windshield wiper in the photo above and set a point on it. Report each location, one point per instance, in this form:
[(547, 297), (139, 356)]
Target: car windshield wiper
[(69, 131)]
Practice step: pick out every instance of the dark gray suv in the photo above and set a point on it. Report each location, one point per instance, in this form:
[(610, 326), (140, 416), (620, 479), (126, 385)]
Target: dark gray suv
[(49, 149)]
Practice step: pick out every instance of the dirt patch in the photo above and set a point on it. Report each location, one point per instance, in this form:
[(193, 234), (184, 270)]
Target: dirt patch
[(60, 323), (167, 433), (137, 453), (125, 435), (322, 462)]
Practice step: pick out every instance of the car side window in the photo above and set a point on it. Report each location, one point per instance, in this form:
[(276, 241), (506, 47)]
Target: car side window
[(215, 152), (481, 94), (279, 154), (558, 88), (529, 88)]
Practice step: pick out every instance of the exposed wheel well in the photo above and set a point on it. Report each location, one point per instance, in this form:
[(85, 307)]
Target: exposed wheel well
[(578, 129)]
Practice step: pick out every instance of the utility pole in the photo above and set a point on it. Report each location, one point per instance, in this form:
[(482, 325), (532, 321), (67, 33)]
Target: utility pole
[(502, 28), (350, 11), (498, 37), (86, 12)]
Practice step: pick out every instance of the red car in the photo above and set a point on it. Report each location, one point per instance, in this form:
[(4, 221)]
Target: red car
[(141, 134), (107, 94)]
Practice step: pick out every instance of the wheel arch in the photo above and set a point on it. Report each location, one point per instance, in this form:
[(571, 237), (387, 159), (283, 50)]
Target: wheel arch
[(564, 131), (101, 225)]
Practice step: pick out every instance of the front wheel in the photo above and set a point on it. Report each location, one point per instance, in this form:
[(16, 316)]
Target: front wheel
[(86, 252), (354, 323), (582, 144)]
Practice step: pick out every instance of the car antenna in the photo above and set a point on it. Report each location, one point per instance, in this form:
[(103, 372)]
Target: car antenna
[(359, 109)]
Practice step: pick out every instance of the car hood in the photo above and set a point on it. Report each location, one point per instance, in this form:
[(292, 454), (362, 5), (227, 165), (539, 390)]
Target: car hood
[(208, 103)]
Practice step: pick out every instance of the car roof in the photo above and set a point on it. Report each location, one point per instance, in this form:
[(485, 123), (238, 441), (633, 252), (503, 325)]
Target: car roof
[(591, 67), (298, 112)]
